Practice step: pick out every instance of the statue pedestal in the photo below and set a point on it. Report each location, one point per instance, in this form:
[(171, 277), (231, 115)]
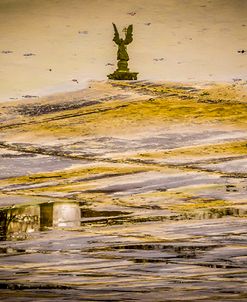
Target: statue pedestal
[(122, 75)]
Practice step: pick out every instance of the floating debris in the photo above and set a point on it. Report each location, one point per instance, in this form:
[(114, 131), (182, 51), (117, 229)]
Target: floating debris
[(27, 96), (29, 54), (132, 13), (242, 51), (84, 32), (158, 59), (6, 51)]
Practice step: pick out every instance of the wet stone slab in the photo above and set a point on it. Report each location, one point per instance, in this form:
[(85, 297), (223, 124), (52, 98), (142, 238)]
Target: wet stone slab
[(14, 164)]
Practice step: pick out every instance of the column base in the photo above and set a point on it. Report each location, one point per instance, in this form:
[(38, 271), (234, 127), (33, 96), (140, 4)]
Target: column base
[(123, 75)]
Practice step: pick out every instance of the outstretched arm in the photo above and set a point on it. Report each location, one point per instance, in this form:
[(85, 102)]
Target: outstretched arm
[(116, 38), (129, 35)]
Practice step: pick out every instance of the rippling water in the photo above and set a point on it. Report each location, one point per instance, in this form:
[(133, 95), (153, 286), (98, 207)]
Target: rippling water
[(68, 249)]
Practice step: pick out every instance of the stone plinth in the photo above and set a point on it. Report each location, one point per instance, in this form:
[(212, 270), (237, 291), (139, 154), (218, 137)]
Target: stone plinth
[(123, 75)]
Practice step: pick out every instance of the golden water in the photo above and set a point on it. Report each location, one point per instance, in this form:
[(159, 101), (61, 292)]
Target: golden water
[(72, 39)]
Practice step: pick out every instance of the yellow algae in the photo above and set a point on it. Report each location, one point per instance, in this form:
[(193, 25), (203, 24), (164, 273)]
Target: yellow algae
[(159, 199), (213, 93), (194, 189), (223, 149), (223, 92), (72, 174), (62, 188), (124, 116), (200, 203)]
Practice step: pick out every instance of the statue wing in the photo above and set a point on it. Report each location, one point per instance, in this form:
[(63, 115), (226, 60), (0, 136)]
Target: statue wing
[(129, 35), (116, 38)]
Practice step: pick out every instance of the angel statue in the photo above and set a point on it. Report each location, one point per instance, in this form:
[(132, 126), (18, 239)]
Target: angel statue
[(122, 73), (122, 54)]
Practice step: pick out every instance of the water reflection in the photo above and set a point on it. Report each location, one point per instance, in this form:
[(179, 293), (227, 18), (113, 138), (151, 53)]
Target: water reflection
[(213, 213), (60, 214), (18, 223)]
